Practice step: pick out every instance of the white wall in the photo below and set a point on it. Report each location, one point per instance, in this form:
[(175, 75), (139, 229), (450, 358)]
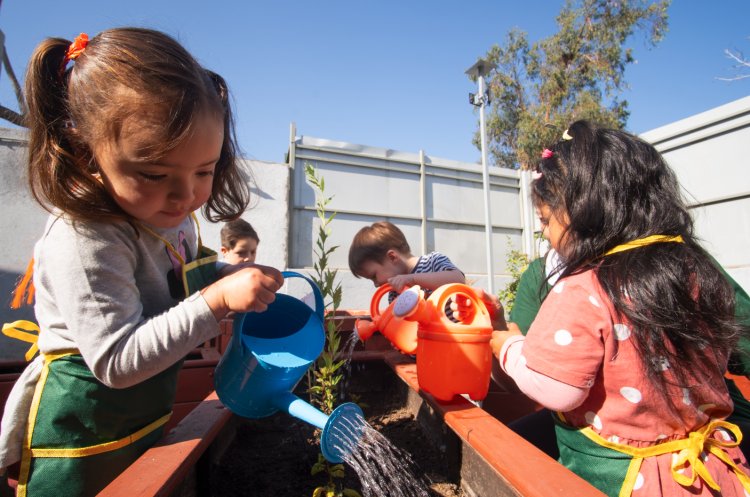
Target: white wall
[(21, 222), (267, 212), (437, 203), (708, 151)]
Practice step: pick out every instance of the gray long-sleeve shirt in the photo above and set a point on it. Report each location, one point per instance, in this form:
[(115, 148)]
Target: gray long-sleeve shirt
[(114, 295)]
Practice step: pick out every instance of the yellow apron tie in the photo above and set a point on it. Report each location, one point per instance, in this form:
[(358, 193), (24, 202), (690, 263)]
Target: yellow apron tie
[(25, 331), (170, 247), (104, 447), (688, 452), (700, 442), (642, 242)]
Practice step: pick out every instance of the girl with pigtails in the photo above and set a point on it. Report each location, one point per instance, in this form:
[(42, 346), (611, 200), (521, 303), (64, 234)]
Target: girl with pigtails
[(128, 136), (631, 344)]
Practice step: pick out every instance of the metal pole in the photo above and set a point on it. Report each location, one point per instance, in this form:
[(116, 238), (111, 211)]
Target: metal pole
[(486, 183), (423, 201), (527, 214)]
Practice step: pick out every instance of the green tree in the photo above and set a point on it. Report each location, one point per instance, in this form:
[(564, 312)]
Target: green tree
[(327, 371), (516, 263), (326, 376), (538, 89)]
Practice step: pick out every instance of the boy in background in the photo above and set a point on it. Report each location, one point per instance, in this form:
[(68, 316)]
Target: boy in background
[(380, 253), (239, 242)]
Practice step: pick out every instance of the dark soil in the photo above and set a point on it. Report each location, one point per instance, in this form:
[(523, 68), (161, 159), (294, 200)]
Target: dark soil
[(274, 455)]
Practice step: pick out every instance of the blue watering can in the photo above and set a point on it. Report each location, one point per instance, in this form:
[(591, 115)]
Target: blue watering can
[(268, 354)]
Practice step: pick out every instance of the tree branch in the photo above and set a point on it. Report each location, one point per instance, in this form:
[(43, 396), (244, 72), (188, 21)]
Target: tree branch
[(11, 116), (737, 57), (741, 63), (14, 82)]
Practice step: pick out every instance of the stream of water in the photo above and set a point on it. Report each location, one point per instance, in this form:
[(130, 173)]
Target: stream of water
[(383, 469)]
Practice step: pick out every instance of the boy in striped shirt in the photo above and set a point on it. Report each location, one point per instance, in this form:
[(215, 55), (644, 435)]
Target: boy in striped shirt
[(380, 253)]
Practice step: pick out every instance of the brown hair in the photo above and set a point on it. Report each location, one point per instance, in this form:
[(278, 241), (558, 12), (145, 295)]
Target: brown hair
[(373, 242), (123, 74), (234, 231)]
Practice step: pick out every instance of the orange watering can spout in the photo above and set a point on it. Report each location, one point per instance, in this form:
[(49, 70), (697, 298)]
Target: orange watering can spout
[(400, 332), (410, 305), (365, 329)]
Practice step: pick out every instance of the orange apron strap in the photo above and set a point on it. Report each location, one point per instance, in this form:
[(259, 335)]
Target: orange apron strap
[(24, 287)]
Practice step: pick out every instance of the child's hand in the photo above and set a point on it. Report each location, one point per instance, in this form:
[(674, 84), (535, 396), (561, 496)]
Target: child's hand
[(401, 281), (499, 338), (493, 305), (250, 288), (228, 269)]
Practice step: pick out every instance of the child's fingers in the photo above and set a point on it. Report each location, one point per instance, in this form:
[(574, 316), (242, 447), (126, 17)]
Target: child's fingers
[(495, 309), (275, 274), (499, 337), (274, 279), (491, 302), (496, 345), (263, 299), (462, 306), (397, 282), (253, 288), (461, 301)]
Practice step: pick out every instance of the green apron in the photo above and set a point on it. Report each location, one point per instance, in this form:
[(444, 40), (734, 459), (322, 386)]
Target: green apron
[(81, 433), (530, 292), (739, 361), (613, 468)]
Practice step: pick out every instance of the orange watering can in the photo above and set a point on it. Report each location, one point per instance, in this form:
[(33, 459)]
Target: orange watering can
[(401, 333), (452, 357)]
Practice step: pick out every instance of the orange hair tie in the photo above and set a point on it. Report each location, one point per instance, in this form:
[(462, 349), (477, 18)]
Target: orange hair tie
[(24, 288), (76, 48)]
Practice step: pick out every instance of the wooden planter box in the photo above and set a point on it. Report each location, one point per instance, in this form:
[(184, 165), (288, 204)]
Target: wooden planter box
[(488, 457)]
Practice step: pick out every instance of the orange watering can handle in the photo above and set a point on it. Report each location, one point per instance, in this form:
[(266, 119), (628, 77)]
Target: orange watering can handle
[(470, 294), (382, 290)]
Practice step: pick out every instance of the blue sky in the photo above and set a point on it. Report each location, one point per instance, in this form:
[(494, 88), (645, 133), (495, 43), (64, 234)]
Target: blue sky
[(387, 73)]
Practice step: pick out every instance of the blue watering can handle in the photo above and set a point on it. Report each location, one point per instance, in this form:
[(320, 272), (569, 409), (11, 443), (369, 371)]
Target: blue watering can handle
[(316, 291)]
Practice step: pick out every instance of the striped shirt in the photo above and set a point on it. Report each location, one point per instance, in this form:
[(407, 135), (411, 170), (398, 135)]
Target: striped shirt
[(434, 262)]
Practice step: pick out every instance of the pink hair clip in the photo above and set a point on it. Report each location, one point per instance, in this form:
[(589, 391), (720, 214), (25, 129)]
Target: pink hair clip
[(547, 153)]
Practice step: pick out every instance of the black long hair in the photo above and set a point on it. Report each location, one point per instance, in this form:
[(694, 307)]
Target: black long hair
[(615, 188)]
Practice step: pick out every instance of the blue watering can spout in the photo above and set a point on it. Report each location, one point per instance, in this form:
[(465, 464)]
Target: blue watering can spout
[(342, 430), (266, 358)]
